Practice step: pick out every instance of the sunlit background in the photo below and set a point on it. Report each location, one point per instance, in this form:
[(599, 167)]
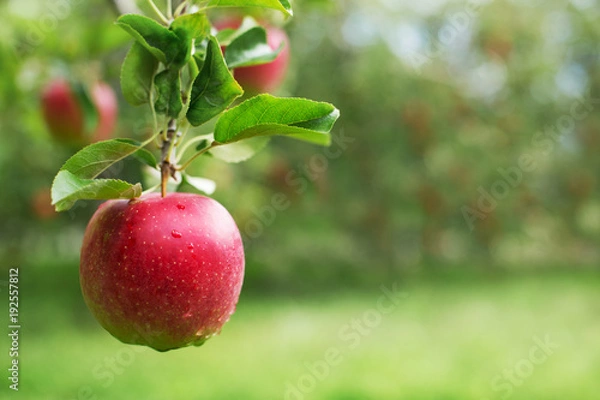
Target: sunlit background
[(463, 177)]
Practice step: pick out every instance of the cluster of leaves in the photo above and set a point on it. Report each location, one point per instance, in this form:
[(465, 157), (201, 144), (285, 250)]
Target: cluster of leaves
[(181, 72)]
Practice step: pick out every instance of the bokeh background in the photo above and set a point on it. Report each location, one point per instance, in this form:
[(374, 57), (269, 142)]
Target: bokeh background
[(464, 178)]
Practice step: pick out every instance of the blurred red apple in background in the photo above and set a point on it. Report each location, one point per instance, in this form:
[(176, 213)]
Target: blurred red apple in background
[(41, 204), (65, 116), (263, 78)]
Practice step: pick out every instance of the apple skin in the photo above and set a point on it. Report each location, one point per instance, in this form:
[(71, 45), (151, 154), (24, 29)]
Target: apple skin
[(263, 78), (107, 105), (162, 272), (64, 116)]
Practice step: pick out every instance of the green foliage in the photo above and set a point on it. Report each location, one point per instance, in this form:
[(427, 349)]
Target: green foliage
[(75, 180), (195, 184), (189, 28), (280, 5), (168, 88), (67, 188), (214, 89), (92, 160), (250, 48), (137, 74), (239, 151), (162, 43), (265, 115), (225, 36), (180, 69)]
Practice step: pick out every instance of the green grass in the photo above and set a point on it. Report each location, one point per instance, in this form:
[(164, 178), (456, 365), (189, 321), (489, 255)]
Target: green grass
[(444, 341)]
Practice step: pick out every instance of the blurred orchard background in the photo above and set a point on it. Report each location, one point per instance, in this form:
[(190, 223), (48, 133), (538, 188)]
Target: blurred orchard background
[(464, 174)]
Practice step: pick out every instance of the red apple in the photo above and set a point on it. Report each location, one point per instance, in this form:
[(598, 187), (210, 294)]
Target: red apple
[(264, 77), (162, 272), (41, 204), (106, 103), (64, 114)]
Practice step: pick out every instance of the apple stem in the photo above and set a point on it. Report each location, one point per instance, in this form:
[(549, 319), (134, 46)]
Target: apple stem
[(158, 13), (166, 168), (181, 9)]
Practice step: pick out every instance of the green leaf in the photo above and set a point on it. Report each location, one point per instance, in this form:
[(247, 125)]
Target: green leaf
[(200, 52), (195, 184), (145, 157), (92, 160), (266, 115), (196, 64), (239, 151), (142, 155), (157, 39), (225, 36), (188, 28), (137, 73), (168, 86), (67, 188), (188, 76), (75, 179), (214, 88), (203, 144), (90, 112), (191, 26), (281, 5), (250, 48)]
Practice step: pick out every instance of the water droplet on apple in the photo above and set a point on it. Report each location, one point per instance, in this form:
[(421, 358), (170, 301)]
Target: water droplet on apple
[(175, 234), (181, 206), (190, 246)]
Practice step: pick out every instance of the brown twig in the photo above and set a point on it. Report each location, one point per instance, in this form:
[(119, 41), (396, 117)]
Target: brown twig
[(167, 169)]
